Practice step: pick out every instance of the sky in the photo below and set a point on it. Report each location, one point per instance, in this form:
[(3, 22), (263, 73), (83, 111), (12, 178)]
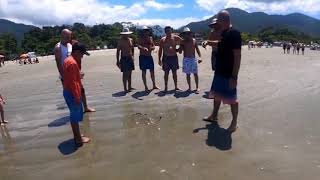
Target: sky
[(143, 12)]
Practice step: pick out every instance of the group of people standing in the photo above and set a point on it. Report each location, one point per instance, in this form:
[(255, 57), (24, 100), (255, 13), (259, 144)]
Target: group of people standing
[(296, 47), (226, 57)]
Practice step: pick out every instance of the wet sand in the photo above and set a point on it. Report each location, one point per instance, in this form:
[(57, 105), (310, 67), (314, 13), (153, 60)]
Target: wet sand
[(158, 137)]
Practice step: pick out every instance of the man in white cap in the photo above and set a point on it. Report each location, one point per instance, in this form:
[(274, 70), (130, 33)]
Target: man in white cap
[(146, 46), (62, 51), (168, 58), (189, 47), (125, 58)]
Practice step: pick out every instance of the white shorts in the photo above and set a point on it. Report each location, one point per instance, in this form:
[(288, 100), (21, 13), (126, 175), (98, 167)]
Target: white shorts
[(190, 65)]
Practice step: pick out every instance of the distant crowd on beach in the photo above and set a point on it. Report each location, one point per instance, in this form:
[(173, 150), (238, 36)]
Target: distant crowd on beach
[(296, 47)]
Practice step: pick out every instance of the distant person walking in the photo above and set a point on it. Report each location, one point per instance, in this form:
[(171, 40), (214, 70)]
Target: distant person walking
[(294, 48), (227, 69), (146, 46), (2, 103), (189, 47), (62, 51), (72, 90), (168, 58), (288, 48), (125, 58), (298, 48)]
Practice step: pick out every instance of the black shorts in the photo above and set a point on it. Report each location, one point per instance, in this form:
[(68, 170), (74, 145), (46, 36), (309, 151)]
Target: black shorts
[(126, 64), (170, 63)]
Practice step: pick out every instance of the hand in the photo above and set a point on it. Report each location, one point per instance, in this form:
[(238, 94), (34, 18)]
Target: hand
[(204, 44), (81, 75), (160, 63), (118, 64), (199, 60), (233, 83)]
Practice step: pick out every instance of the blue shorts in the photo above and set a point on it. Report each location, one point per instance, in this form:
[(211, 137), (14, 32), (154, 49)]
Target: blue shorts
[(170, 63), (146, 62), (76, 110), (222, 91), (126, 64)]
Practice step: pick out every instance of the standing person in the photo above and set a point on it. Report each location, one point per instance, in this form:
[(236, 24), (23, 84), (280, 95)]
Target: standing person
[(227, 69), (302, 48), (2, 103), (146, 46), (288, 48), (294, 48), (189, 47), (72, 90), (168, 58), (298, 48), (284, 46), (215, 33), (62, 51), (126, 62)]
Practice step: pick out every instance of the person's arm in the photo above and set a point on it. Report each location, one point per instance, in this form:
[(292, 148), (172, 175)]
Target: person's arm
[(160, 52), (236, 43), (140, 47), (181, 47), (57, 54), (153, 47), (118, 55), (132, 48), (72, 81), (199, 52), (2, 99)]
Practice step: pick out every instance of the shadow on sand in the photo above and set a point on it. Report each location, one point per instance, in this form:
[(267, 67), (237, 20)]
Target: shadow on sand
[(217, 136), (140, 94), (59, 122), (206, 95), (119, 94), (183, 94), (67, 147), (163, 93)]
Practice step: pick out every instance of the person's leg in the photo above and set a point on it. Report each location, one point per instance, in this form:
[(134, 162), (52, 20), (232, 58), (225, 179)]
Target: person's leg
[(175, 79), (196, 78), (166, 77), (215, 111), (234, 110), (129, 81), (78, 138), (124, 81), (144, 79), (84, 101), (3, 121), (153, 80), (188, 81)]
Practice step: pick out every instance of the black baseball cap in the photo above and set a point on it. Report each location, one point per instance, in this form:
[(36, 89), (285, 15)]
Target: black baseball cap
[(168, 27), (80, 47)]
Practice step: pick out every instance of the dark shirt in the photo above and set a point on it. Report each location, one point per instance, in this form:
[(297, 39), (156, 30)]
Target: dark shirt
[(231, 40)]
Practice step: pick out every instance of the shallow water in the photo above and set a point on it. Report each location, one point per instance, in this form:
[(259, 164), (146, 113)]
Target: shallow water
[(151, 136)]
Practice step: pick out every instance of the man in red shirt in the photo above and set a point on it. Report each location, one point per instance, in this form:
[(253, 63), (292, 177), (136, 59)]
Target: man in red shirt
[(72, 90)]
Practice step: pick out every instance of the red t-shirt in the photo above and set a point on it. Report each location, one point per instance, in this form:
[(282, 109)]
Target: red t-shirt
[(71, 78)]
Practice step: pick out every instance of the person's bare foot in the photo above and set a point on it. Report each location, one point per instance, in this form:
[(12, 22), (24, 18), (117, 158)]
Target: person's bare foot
[(1, 124), (146, 89), (177, 89), (232, 128), (211, 118), (197, 91), (83, 140), (90, 110), (5, 121), (131, 89), (156, 88)]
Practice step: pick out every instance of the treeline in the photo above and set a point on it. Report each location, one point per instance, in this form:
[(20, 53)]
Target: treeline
[(43, 40), (271, 34)]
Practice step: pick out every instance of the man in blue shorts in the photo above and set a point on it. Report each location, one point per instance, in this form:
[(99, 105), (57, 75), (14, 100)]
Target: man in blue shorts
[(227, 68), (146, 46), (72, 90)]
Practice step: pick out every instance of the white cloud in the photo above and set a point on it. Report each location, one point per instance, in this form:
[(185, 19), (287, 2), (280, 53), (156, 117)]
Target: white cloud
[(161, 6), (176, 23), (90, 12), (311, 7)]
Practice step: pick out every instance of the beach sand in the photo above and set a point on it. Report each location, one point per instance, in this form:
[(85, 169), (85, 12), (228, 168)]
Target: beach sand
[(155, 136)]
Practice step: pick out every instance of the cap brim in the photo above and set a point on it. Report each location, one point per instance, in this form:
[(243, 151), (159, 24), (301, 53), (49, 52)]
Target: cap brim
[(126, 33), (86, 53)]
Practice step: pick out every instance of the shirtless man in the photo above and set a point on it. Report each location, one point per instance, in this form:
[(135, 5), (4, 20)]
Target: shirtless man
[(126, 62), (146, 46), (62, 51), (168, 58), (190, 65)]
